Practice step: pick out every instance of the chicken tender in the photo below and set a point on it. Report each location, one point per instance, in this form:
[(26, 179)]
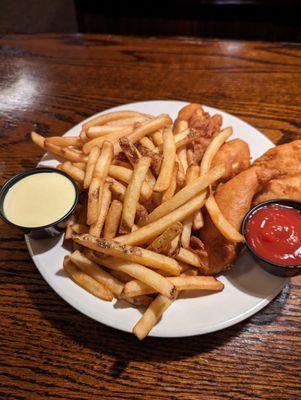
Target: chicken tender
[(235, 156), (234, 199)]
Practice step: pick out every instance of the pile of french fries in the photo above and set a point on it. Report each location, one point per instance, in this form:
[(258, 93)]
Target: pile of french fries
[(134, 230)]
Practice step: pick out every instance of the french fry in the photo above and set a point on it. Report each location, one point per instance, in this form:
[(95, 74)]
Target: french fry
[(125, 175), (198, 220), (221, 223), (213, 148), (112, 137), (80, 228), (92, 159), (167, 165), (187, 193), (155, 157), (96, 272), (65, 141), (169, 193), (159, 122), (86, 282), (113, 220), (157, 137), (54, 149), (39, 140), (174, 246), (130, 121), (188, 281), (151, 316), (75, 173), (163, 242), (72, 154), (188, 257), (147, 142), (99, 176), (182, 155), (104, 130), (133, 156), (132, 194), (130, 253), (148, 232), (112, 116), (138, 301), (143, 274), (192, 173), (80, 165), (105, 200)]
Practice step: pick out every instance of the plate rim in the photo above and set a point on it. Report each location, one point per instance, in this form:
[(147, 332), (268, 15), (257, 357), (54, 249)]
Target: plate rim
[(196, 331)]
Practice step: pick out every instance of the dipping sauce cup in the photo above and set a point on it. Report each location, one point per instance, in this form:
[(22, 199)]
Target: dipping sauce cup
[(272, 232), (39, 201)]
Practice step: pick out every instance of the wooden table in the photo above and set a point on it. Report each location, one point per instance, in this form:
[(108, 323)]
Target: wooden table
[(48, 349)]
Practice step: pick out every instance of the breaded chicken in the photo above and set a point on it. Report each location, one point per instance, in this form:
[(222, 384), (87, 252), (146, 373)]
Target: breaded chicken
[(235, 156), (234, 199)]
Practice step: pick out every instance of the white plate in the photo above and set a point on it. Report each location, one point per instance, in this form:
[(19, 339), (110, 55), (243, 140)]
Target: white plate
[(247, 287)]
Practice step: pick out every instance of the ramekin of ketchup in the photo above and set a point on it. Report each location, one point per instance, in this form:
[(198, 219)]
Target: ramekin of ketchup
[(272, 231)]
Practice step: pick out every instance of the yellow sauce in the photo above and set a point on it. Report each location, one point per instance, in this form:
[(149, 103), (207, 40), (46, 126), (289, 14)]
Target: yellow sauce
[(39, 199)]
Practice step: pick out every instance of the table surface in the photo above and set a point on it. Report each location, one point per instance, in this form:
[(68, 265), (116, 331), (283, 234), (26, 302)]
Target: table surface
[(48, 349)]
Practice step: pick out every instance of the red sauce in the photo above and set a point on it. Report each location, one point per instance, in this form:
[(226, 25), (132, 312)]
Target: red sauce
[(274, 233)]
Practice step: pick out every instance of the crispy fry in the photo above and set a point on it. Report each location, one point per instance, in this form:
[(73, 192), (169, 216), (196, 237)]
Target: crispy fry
[(169, 193), (65, 141), (188, 257), (96, 272), (169, 157), (125, 175), (112, 116), (187, 193), (92, 159), (112, 137), (75, 173), (86, 282), (213, 148), (186, 282), (163, 242), (147, 142), (39, 140), (130, 253), (148, 232), (113, 220), (132, 194), (151, 316), (143, 274), (105, 200), (225, 228), (96, 187)]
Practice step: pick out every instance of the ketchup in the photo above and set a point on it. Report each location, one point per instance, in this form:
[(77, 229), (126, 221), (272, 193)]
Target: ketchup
[(274, 233)]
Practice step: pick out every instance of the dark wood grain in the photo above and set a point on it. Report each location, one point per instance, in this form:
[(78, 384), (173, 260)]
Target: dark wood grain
[(49, 350)]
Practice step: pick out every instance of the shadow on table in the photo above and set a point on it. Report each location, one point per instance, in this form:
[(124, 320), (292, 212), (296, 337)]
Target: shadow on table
[(124, 347)]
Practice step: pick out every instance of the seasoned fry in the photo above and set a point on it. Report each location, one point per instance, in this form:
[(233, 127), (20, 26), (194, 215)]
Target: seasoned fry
[(96, 272), (148, 232), (143, 274), (163, 242), (130, 253), (113, 220), (75, 173), (151, 316), (169, 157), (92, 159), (112, 116), (65, 141), (207, 283), (213, 148), (96, 187), (86, 282), (188, 257), (187, 193), (39, 140), (112, 137), (132, 194), (125, 175), (105, 200), (168, 194), (224, 226)]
